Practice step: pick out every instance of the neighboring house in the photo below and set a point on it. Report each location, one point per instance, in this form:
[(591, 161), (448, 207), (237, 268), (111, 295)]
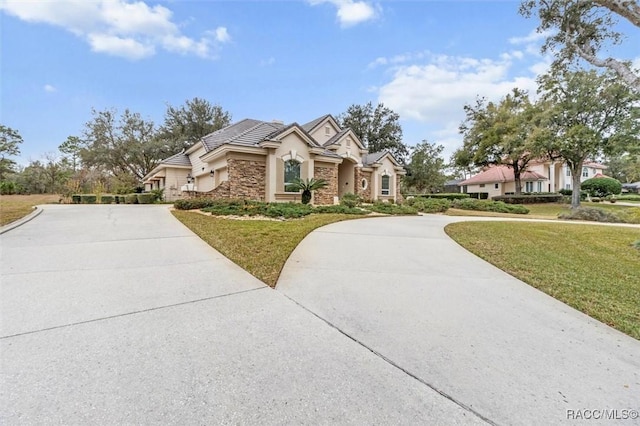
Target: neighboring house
[(540, 176), (631, 187), (255, 159)]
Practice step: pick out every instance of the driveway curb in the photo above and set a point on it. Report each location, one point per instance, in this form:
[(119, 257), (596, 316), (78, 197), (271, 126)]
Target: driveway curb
[(35, 213)]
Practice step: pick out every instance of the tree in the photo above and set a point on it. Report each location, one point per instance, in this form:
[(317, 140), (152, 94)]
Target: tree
[(582, 28), (187, 124), (71, 148), (625, 167), (426, 168), (125, 145), (501, 134), (378, 128), (307, 187), (10, 141), (587, 115)]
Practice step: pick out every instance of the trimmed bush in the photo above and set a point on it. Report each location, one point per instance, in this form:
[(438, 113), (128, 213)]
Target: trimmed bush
[(601, 187), (146, 198), (529, 198), (88, 199), (340, 209), (76, 198), (393, 209), (445, 195), (592, 214), (429, 205), (106, 199), (194, 203), (628, 197), (350, 200), (489, 206), (131, 199)]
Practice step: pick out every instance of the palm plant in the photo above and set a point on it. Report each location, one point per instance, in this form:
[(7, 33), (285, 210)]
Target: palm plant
[(307, 187)]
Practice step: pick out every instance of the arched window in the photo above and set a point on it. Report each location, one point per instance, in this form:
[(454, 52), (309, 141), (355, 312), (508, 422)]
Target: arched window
[(386, 185), (291, 172)]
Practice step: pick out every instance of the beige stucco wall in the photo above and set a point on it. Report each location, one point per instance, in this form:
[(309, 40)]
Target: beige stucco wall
[(321, 135), (386, 167), (346, 177), (352, 151)]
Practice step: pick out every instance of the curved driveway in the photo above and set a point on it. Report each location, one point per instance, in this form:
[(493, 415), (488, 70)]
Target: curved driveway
[(120, 315), (400, 287)]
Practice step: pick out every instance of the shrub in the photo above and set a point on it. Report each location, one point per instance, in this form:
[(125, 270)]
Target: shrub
[(489, 206), (529, 199), (194, 203), (76, 198), (350, 200), (393, 209), (106, 199), (341, 209), (592, 214), (601, 187), (430, 205), (629, 197), (7, 187), (287, 210), (596, 200), (255, 208), (446, 195), (131, 199), (631, 215), (158, 194), (146, 198), (88, 199)]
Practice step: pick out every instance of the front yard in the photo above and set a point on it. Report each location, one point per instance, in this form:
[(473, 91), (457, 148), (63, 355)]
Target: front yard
[(14, 207)]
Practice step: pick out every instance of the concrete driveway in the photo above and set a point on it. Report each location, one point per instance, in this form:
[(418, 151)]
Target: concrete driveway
[(401, 288), (120, 315)]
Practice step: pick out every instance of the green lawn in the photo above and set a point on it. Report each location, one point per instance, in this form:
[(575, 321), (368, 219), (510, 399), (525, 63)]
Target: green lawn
[(259, 246), (593, 268), (540, 211)]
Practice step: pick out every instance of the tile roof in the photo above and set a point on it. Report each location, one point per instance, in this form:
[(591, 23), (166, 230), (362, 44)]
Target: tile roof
[(256, 134), (594, 165), (501, 173), (226, 134), (337, 136), (373, 157), (313, 123), (179, 159)]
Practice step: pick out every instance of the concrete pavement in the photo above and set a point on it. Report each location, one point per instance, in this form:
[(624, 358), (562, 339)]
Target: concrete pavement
[(403, 289), (120, 315)]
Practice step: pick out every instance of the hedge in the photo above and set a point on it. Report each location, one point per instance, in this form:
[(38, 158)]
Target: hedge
[(444, 195), (106, 199), (489, 206), (131, 199), (88, 199), (529, 199), (194, 203), (146, 198), (76, 198)]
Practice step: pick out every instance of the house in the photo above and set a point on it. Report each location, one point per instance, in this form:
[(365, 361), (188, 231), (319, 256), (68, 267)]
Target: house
[(540, 176), (254, 159), (633, 188)]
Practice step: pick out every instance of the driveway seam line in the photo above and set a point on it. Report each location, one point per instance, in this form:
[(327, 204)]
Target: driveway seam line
[(399, 367), (204, 299)]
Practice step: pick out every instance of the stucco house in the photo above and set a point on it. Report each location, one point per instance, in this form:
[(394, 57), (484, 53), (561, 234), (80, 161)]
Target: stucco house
[(254, 159), (540, 176)]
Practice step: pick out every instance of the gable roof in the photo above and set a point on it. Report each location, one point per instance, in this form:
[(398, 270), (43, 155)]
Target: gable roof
[(501, 173), (179, 159), (283, 130), (314, 124), (374, 157), (227, 134)]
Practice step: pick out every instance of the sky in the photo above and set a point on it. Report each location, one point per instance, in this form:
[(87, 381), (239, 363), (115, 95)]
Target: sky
[(270, 60)]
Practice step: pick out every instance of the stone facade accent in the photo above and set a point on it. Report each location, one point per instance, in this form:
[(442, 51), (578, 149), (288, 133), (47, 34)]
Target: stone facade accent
[(364, 194), (221, 192), (399, 197), (246, 179), (326, 194)]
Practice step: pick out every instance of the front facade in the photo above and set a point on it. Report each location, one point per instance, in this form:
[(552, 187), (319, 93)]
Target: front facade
[(540, 177), (254, 159)]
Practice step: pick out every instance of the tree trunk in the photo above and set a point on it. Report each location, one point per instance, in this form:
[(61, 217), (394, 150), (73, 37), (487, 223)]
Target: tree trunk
[(576, 173), (516, 175)]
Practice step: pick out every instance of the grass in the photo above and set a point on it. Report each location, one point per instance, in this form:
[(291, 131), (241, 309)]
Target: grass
[(594, 269), (541, 211), (261, 247), (14, 207)]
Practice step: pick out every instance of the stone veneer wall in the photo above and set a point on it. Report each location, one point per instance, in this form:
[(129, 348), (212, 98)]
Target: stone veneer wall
[(399, 197), (220, 192), (246, 179), (326, 194), (365, 194)]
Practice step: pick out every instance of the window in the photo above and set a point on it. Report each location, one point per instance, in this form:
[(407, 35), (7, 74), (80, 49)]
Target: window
[(481, 185), (528, 186), (539, 186), (568, 172), (496, 186), (364, 183), (567, 186), (386, 185), (585, 172), (291, 172)]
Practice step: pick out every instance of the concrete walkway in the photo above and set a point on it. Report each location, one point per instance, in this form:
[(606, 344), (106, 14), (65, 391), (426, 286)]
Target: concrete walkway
[(406, 291), (120, 315)]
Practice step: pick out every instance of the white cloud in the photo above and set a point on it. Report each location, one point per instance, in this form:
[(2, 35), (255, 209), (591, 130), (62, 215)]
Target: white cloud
[(49, 88), (533, 37), (351, 12), (125, 28), (636, 63), (397, 59)]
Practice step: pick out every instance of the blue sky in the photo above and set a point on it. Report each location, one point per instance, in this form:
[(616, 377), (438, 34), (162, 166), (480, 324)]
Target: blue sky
[(285, 60)]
